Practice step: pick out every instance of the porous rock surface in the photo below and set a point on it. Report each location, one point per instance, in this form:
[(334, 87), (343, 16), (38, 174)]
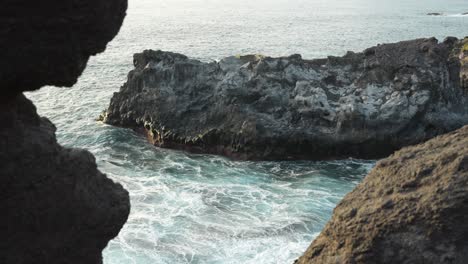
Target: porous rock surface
[(411, 208), (56, 207), (363, 105)]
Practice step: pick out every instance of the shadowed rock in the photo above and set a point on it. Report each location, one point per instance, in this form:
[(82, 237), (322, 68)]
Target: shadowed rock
[(56, 206), (363, 105), (411, 208), (49, 42)]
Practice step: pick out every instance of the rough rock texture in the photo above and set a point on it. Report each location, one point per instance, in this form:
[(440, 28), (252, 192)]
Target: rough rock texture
[(252, 107), (56, 206), (48, 42), (464, 64), (412, 208)]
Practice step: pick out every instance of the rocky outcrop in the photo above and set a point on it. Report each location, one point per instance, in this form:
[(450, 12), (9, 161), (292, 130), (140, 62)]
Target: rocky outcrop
[(363, 105), (49, 42), (411, 208), (56, 206)]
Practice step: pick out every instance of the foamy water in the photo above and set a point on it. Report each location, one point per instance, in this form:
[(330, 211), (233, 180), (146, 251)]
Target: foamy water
[(207, 209)]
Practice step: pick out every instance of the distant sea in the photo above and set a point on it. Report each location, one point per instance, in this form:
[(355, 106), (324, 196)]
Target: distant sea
[(207, 209)]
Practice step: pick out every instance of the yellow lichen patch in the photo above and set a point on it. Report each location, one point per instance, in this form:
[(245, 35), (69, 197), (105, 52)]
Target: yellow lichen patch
[(465, 46), (250, 57), (464, 64)]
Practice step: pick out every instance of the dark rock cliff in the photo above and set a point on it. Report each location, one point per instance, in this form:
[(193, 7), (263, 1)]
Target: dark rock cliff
[(364, 105), (49, 42), (56, 206), (411, 208)]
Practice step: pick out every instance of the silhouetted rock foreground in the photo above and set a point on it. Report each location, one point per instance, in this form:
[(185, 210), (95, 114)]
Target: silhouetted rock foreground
[(363, 105), (411, 208), (56, 207), (48, 42)]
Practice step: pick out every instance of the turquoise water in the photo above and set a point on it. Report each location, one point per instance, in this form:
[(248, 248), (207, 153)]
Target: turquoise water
[(207, 209)]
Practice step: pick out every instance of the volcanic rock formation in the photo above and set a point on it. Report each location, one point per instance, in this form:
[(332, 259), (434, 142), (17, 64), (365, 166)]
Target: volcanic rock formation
[(363, 105), (56, 206), (411, 208)]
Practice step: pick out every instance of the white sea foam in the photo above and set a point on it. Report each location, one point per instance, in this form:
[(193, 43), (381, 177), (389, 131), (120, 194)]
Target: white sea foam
[(207, 209)]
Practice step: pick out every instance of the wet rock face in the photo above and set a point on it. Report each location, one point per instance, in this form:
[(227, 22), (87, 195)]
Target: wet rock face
[(49, 42), (56, 206), (464, 64), (411, 208), (362, 105)]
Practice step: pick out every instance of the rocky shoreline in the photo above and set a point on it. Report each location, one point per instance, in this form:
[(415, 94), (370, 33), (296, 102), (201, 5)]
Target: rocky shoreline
[(362, 105)]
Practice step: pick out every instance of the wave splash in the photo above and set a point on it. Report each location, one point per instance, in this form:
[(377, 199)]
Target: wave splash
[(206, 209)]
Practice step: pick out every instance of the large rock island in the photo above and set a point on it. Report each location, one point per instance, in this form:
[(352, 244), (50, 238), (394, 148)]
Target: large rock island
[(364, 105), (411, 208)]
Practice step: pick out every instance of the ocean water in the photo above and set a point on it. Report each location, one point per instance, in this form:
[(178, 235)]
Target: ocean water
[(206, 209)]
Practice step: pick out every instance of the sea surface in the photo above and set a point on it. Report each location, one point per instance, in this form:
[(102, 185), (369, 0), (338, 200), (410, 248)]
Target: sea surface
[(207, 209)]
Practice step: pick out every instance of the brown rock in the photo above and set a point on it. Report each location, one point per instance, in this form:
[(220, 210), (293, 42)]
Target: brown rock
[(412, 208)]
